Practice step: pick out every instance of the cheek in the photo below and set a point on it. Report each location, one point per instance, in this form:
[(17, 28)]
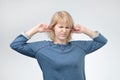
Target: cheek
[(56, 32), (69, 31)]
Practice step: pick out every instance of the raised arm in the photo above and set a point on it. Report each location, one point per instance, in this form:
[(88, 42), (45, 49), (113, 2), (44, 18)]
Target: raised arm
[(37, 29), (82, 29), (91, 45), (20, 43)]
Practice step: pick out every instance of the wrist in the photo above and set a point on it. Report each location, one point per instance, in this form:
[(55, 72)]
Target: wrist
[(31, 32), (85, 30), (90, 33), (25, 35)]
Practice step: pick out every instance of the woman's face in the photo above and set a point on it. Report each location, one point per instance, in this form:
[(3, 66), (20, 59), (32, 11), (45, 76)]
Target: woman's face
[(62, 32)]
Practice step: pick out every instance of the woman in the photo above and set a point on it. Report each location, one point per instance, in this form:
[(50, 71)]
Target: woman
[(60, 59)]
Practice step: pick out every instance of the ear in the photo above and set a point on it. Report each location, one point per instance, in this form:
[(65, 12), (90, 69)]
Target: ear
[(51, 27), (54, 27), (72, 30)]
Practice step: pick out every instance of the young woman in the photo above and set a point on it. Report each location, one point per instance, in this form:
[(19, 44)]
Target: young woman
[(60, 58)]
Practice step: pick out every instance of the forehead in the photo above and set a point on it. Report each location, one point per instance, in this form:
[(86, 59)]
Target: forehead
[(62, 24)]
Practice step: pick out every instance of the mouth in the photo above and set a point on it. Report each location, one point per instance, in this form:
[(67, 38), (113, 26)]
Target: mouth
[(63, 34)]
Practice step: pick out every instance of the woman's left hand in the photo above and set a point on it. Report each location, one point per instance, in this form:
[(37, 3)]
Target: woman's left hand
[(78, 29)]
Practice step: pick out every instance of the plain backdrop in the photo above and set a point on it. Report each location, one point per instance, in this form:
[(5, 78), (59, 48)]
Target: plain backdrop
[(17, 16)]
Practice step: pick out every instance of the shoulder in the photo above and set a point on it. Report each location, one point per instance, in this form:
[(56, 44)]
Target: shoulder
[(38, 45), (79, 43)]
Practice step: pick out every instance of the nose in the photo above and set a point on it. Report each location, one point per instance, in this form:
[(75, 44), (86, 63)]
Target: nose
[(64, 30)]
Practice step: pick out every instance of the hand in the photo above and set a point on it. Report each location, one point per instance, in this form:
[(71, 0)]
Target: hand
[(42, 28), (82, 29), (38, 28), (78, 29)]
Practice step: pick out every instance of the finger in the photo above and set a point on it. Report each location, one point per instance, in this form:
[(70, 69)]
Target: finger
[(74, 31), (48, 29)]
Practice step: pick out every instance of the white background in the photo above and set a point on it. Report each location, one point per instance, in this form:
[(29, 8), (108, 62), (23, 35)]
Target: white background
[(17, 16)]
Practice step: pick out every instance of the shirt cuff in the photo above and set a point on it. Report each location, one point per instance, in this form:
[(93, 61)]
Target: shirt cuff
[(97, 34), (25, 35)]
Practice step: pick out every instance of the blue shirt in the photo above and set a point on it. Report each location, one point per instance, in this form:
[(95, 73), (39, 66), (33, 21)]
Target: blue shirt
[(59, 61)]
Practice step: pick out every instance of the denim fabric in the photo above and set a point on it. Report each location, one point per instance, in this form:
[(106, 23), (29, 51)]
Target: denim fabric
[(59, 61)]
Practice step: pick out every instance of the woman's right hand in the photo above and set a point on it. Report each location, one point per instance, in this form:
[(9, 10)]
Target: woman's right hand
[(42, 28), (38, 28)]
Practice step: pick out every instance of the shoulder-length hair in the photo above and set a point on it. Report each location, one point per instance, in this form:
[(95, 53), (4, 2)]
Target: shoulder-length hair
[(60, 17)]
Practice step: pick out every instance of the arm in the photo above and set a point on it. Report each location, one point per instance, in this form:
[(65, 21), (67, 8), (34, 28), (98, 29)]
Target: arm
[(92, 45), (38, 28), (20, 43), (82, 29)]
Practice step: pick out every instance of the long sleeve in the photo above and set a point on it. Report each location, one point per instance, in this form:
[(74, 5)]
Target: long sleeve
[(92, 45), (20, 45)]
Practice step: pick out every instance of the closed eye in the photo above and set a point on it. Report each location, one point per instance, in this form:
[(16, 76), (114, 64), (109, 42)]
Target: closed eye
[(67, 27), (60, 26)]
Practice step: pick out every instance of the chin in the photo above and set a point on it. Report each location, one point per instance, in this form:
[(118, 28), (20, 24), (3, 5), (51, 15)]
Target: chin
[(63, 38)]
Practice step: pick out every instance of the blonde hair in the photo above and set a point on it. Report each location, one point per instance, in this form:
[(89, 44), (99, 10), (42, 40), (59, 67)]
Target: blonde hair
[(61, 17)]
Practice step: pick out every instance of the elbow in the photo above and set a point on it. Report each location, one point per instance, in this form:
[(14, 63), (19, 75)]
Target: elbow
[(13, 46), (105, 41)]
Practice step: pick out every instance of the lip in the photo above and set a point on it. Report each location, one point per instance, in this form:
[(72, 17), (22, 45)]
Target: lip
[(63, 35)]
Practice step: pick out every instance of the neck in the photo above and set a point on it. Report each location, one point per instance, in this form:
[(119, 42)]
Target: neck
[(60, 41)]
